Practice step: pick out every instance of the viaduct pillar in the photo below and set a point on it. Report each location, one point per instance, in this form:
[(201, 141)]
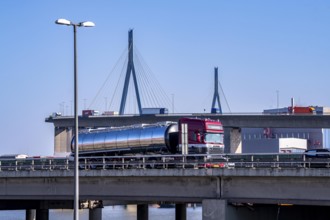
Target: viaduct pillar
[(214, 209), (142, 212), (233, 140), (42, 214), (180, 211), (30, 214), (62, 140), (95, 214)]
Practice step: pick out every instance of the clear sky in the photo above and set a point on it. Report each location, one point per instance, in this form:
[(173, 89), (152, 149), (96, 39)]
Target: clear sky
[(260, 47)]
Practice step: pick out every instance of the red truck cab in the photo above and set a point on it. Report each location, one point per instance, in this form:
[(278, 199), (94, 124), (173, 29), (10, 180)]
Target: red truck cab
[(301, 110), (205, 136)]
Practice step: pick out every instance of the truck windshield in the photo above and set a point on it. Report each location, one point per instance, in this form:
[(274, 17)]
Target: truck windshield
[(213, 138)]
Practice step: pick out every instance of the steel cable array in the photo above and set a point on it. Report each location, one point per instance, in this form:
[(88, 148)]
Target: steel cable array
[(151, 92), (151, 86), (108, 84)]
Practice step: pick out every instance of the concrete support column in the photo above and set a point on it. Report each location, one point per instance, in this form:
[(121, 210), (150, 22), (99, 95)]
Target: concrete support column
[(142, 212), (180, 212), (62, 140), (95, 214), (275, 212), (42, 214), (214, 209), (30, 214), (233, 140)]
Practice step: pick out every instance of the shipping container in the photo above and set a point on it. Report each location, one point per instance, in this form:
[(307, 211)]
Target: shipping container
[(154, 111)]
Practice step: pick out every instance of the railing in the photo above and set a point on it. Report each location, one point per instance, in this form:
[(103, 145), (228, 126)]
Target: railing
[(32, 164), (226, 161)]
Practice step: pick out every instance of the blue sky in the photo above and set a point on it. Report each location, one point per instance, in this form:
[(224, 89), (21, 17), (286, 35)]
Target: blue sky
[(259, 46)]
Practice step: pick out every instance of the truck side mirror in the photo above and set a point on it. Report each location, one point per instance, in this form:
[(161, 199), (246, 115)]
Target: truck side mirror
[(199, 138)]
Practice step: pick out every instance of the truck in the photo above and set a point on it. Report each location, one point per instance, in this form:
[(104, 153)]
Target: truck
[(110, 113), (204, 136), (154, 111), (292, 110), (87, 113), (301, 110)]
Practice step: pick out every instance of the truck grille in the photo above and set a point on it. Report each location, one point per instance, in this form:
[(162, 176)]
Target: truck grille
[(216, 150)]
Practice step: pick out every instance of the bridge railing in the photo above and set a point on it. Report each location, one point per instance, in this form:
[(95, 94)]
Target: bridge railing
[(200, 161), (32, 164)]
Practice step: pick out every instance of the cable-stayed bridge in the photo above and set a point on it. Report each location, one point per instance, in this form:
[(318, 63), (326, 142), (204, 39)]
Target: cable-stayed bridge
[(137, 88), (214, 188)]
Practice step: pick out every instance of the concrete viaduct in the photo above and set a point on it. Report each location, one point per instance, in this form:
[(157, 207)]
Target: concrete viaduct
[(232, 123), (224, 193)]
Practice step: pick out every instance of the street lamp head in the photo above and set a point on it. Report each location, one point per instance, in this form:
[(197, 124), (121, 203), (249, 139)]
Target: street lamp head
[(86, 24), (63, 21)]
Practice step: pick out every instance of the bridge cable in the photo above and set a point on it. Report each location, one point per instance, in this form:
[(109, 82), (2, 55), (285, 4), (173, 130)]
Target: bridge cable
[(107, 79), (120, 79), (224, 96), (148, 90), (154, 80), (143, 82)]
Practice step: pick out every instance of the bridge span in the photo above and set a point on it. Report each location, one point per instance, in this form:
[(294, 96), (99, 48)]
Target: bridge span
[(232, 123), (217, 189), (228, 120), (261, 185)]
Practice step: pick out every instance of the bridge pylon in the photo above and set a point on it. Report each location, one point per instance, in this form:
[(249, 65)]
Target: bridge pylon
[(130, 70), (216, 96)]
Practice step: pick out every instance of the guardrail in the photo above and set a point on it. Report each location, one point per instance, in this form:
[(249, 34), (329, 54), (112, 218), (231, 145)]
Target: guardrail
[(32, 164), (200, 161)]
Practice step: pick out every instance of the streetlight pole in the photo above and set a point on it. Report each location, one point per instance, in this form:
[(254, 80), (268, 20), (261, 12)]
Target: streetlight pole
[(76, 126), (172, 103)]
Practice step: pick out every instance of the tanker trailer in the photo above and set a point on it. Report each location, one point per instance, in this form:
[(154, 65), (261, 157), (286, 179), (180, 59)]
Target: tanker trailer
[(135, 139), (205, 136)]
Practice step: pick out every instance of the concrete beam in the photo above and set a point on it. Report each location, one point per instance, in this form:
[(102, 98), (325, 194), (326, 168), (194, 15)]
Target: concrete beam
[(115, 188), (231, 120), (274, 190), (32, 204), (271, 185)]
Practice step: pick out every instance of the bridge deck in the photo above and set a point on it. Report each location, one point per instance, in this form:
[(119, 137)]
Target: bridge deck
[(258, 185), (230, 120)]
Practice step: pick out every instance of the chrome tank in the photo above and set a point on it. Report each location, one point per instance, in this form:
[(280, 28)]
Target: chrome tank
[(156, 136)]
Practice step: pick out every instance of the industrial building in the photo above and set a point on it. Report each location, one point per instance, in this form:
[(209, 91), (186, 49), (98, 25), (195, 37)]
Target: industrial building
[(286, 140)]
